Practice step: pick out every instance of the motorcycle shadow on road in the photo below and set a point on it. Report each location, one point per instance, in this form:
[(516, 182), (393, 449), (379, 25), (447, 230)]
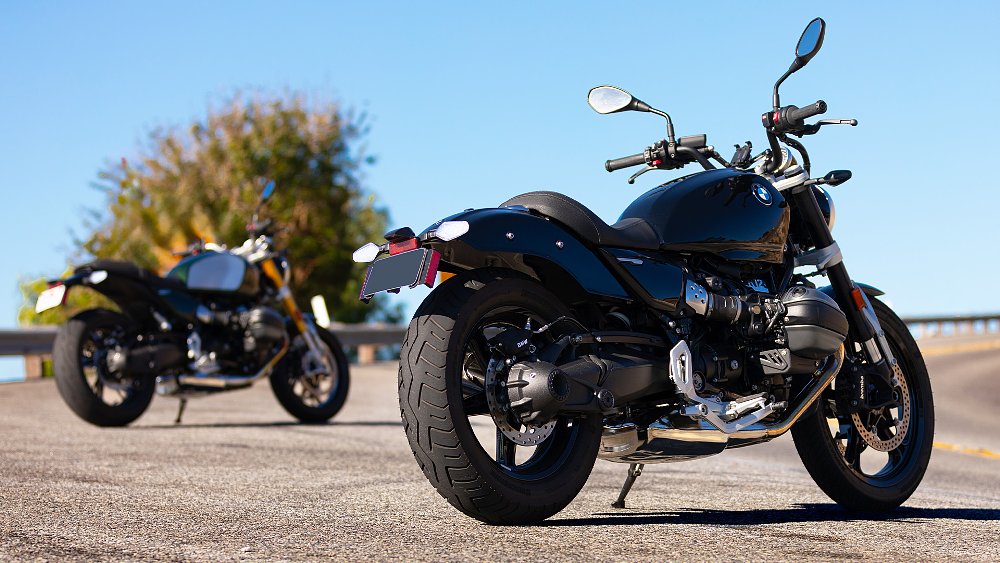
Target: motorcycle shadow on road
[(272, 424), (800, 513)]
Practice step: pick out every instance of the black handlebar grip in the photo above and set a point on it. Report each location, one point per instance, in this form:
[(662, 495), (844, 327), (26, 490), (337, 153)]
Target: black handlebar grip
[(797, 115), (625, 162), (693, 141)]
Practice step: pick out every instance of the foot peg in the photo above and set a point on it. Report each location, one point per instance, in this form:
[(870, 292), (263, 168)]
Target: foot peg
[(634, 471)]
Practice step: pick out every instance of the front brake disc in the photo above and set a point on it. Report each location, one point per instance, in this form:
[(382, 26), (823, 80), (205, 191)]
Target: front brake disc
[(901, 426)]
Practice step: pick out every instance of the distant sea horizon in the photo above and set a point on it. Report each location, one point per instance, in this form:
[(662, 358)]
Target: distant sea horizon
[(11, 369)]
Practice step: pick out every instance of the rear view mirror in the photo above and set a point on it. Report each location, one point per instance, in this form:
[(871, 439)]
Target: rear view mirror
[(610, 99), (268, 190), (810, 41)]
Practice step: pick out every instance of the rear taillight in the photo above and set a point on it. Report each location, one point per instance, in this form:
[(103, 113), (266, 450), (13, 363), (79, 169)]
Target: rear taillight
[(402, 246)]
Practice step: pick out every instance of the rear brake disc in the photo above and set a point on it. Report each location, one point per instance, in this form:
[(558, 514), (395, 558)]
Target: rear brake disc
[(496, 399)]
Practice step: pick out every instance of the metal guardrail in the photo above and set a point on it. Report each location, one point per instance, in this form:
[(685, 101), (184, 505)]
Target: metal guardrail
[(933, 326), (37, 341), (27, 341)]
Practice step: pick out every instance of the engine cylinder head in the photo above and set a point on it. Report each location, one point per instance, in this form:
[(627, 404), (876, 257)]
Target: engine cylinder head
[(814, 323), (262, 326)]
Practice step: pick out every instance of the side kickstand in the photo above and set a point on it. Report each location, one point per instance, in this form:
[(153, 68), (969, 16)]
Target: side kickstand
[(634, 471), (180, 410)]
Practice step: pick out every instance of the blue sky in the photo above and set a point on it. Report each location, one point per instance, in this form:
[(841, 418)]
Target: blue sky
[(471, 104)]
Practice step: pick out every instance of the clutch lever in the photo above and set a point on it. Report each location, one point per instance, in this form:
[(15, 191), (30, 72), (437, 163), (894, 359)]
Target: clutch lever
[(631, 179)]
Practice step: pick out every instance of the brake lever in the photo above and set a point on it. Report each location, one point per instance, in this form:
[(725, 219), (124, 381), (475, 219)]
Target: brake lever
[(814, 128), (851, 122)]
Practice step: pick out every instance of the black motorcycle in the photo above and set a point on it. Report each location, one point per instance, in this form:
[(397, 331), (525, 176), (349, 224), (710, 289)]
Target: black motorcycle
[(219, 320), (690, 326)]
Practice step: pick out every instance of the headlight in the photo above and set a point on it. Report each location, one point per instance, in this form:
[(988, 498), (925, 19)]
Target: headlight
[(826, 205)]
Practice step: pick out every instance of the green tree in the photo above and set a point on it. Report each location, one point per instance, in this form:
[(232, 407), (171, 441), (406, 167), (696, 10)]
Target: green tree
[(204, 182)]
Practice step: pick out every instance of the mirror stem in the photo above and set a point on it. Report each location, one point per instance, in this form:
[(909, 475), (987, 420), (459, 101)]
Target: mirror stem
[(670, 124), (776, 101)]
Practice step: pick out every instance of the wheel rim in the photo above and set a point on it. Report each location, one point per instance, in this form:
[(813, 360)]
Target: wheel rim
[(105, 381), (314, 385), (523, 462), (896, 427)]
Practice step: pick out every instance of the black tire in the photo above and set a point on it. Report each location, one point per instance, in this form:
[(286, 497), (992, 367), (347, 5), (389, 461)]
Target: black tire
[(433, 360), (284, 381), (83, 378), (825, 453)]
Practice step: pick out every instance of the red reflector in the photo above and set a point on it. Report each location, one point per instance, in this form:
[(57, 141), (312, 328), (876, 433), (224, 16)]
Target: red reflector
[(402, 246), (776, 117), (432, 268), (859, 298)]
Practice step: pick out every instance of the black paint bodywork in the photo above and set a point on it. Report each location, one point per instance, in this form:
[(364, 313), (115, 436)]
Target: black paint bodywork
[(716, 212), (712, 213), (137, 292), (515, 239), (657, 281)]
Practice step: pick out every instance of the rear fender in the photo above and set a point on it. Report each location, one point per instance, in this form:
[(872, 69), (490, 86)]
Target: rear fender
[(513, 238), (134, 298)]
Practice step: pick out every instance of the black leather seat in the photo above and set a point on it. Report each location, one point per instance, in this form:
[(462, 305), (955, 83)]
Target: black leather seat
[(130, 270), (627, 233)]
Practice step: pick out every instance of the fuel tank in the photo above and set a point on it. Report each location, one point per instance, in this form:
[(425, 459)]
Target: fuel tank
[(218, 272), (732, 214)]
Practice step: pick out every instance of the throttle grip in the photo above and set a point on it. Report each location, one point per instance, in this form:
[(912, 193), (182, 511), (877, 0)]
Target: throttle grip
[(796, 115), (625, 162)]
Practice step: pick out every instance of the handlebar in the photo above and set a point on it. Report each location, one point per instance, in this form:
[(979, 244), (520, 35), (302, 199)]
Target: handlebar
[(790, 118), (260, 227), (625, 162), (658, 152), (797, 115), (195, 247)]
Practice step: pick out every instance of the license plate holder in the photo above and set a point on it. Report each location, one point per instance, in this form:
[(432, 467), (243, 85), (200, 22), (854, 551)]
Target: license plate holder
[(406, 269)]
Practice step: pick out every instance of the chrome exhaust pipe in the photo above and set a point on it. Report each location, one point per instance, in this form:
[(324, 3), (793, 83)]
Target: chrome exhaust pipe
[(765, 432), (665, 443), (220, 382)]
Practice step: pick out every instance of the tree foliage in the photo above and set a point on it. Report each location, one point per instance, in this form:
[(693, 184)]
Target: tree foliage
[(203, 182)]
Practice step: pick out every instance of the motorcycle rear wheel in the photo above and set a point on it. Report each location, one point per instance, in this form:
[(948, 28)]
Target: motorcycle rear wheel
[(441, 398), (838, 459), (87, 382)]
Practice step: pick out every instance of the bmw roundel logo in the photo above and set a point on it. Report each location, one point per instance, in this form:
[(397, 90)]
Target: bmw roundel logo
[(762, 194)]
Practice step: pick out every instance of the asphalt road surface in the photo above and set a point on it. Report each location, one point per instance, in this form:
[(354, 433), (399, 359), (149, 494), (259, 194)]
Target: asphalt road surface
[(240, 481)]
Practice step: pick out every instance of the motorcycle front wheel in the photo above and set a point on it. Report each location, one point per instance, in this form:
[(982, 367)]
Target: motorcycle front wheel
[(866, 461), (304, 387), (490, 467)]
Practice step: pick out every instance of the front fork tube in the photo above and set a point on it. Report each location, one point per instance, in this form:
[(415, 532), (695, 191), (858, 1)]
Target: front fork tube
[(307, 328), (851, 299)]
